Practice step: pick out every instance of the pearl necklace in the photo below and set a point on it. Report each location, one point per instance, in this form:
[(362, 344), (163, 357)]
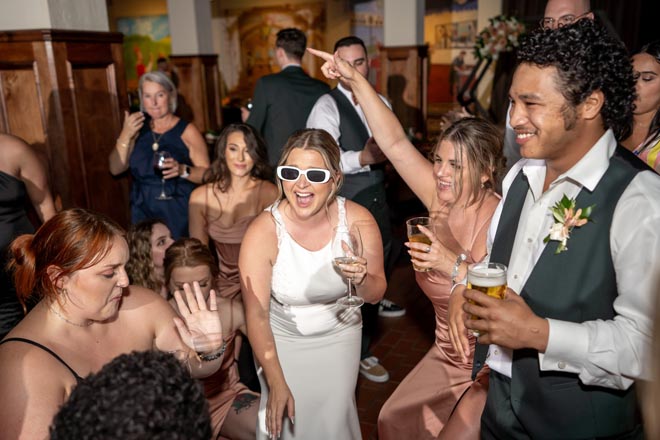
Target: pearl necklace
[(59, 315)]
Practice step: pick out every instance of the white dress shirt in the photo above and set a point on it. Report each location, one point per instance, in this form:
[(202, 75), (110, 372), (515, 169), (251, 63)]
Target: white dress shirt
[(609, 353), (325, 115)]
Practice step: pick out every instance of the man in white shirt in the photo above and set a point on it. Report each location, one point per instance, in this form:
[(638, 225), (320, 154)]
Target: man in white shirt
[(338, 113), (557, 13), (571, 336)]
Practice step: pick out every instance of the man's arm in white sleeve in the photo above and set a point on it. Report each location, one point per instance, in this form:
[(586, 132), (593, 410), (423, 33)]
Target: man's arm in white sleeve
[(613, 353)]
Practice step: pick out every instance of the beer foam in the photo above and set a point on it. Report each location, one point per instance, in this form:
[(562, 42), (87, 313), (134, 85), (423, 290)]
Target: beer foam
[(487, 277)]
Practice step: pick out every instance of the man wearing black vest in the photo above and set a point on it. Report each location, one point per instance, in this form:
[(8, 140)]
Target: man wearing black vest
[(340, 114), (571, 336), (282, 101)]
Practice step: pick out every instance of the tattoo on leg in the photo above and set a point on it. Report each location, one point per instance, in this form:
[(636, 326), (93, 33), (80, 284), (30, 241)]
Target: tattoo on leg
[(243, 402)]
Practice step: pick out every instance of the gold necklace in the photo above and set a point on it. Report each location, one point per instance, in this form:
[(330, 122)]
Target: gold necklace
[(59, 315), (155, 146)]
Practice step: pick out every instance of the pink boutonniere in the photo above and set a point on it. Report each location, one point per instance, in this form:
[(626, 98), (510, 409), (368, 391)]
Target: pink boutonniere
[(566, 218)]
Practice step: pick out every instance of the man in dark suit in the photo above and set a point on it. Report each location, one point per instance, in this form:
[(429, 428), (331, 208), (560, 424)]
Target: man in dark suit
[(577, 228), (282, 101)]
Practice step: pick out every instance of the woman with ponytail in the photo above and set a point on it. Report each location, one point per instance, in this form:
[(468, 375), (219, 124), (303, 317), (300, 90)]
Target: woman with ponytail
[(85, 315)]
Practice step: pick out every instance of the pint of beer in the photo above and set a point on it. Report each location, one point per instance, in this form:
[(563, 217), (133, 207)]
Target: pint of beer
[(415, 235), (489, 278)]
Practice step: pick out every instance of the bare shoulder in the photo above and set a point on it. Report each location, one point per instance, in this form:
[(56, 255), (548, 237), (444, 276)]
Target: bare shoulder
[(199, 194), (14, 152), (33, 369), (357, 213), (269, 193), (261, 228), (141, 301), (491, 200), (191, 133)]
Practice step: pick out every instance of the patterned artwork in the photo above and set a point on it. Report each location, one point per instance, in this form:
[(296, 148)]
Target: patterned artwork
[(248, 42), (145, 40)]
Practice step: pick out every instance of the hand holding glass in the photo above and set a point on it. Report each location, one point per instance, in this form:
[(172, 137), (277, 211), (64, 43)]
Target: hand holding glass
[(488, 278), (158, 163), (346, 248), (417, 236)]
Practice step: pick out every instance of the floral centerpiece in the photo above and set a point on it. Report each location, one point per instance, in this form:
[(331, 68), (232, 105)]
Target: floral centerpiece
[(501, 35)]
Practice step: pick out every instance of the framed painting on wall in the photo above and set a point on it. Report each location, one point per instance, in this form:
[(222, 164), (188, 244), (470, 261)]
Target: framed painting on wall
[(463, 34), (247, 42), (146, 39)]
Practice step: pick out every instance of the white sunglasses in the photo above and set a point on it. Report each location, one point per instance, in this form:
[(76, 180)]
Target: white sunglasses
[(313, 175)]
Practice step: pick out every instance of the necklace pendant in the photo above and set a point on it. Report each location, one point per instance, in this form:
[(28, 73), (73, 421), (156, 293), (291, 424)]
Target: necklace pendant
[(155, 146)]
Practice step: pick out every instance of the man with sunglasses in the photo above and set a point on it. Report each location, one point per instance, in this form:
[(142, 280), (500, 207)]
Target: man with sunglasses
[(338, 113)]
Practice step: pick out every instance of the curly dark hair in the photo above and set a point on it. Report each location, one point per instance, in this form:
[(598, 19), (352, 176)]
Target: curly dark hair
[(587, 58), (218, 172), (139, 395), (140, 265)]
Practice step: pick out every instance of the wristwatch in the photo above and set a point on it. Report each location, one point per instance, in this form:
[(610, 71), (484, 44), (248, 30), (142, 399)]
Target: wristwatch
[(186, 172)]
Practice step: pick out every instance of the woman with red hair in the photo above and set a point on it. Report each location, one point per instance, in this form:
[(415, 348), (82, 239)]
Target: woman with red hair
[(85, 316)]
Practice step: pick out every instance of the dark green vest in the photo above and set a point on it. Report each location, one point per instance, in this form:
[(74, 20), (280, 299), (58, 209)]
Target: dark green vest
[(352, 137), (576, 285)]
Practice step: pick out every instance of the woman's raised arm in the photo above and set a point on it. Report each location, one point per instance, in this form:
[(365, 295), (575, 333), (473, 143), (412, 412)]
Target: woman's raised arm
[(411, 165)]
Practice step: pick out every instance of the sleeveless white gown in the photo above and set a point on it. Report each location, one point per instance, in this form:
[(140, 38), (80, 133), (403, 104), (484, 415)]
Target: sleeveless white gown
[(318, 343)]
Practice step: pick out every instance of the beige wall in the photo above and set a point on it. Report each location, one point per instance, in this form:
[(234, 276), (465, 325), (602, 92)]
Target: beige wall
[(89, 15), (133, 8)]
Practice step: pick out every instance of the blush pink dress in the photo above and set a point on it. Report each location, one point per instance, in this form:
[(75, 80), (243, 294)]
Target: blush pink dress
[(223, 386), (227, 241), (422, 404)]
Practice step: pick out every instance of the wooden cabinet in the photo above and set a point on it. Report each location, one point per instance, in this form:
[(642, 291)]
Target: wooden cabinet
[(404, 77), (64, 92), (199, 91)]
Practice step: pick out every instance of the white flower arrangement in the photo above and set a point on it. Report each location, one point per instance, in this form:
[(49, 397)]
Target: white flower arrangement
[(501, 35)]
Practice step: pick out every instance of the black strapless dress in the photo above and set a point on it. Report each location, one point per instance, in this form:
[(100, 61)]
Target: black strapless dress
[(13, 222)]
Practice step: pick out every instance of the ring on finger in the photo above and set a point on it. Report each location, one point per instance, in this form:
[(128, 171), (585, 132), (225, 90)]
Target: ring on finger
[(428, 249)]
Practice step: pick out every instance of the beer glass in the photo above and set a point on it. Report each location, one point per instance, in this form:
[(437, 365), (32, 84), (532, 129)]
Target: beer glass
[(417, 236), (489, 278)]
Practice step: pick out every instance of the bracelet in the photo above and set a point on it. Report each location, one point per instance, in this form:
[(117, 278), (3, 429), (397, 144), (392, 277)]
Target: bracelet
[(208, 357), (186, 172), (454, 272), (122, 144)]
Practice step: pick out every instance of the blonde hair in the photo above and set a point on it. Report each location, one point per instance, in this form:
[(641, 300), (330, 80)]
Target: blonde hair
[(482, 144), (318, 140)]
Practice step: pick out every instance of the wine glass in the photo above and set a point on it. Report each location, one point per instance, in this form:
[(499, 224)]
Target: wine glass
[(346, 249), (158, 163)]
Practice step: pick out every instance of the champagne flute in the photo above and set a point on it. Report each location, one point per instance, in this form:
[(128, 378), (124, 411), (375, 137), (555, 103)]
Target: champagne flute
[(346, 249), (158, 163)]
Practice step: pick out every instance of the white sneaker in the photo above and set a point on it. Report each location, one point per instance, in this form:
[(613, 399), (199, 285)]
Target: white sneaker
[(389, 309)]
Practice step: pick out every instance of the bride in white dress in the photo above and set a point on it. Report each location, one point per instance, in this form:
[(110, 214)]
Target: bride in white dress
[(307, 347)]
